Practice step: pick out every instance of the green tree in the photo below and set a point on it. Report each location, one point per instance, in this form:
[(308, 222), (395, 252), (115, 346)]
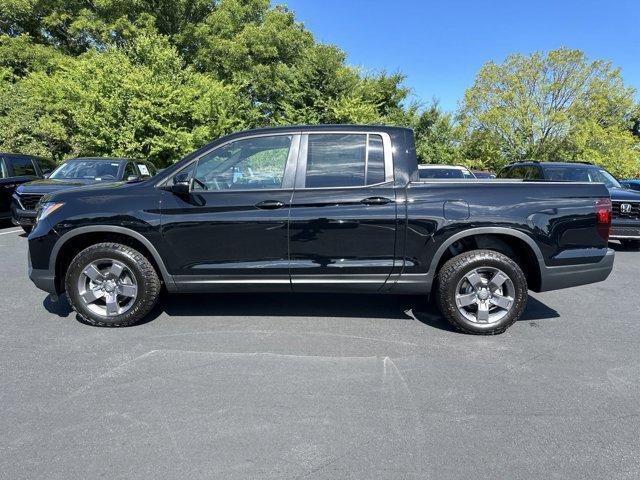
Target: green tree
[(558, 106), (157, 78)]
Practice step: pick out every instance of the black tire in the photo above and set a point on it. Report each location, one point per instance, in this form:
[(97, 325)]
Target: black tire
[(27, 228), (148, 284), (630, 243), (453, 272)]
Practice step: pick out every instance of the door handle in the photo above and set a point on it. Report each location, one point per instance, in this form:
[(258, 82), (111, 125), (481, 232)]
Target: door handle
[(269, 205), (376, 201)]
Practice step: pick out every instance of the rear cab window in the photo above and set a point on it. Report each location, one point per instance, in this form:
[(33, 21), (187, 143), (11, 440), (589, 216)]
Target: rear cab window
[(337, 160)]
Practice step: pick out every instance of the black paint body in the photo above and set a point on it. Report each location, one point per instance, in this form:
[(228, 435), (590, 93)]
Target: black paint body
[(328, 239)]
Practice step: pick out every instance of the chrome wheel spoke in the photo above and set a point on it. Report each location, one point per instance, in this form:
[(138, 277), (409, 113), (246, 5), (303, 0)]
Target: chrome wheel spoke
[(483, 313), (498, 280), (93, 273), (464, 300), (91, 295), (502, 302), (112, 304), (127, 290), (474, 279), (116, 269)]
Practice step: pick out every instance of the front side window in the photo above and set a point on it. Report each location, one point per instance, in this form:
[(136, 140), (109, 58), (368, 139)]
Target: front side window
[(248, 164), (344, 160), (130, 171), (23, 167)]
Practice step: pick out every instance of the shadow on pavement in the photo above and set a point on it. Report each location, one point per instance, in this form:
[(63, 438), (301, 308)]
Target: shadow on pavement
[(397, 307)]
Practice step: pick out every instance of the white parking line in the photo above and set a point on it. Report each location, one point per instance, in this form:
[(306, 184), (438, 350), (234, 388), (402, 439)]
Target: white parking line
[(11, 231)]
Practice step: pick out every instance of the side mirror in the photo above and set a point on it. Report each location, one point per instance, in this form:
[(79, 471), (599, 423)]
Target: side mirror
[(180, 188), (46, 175), (133, 178)]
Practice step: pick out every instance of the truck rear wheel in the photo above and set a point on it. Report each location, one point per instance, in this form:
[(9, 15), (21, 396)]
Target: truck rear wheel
[(481, 292), (112, 285)]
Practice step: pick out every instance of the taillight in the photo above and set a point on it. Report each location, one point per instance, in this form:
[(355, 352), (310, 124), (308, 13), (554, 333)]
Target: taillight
[(603, 217)]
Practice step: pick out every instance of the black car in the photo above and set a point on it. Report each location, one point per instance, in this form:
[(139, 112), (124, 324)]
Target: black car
[(626, 203), (16, 169), (74, 173), (319, 208)]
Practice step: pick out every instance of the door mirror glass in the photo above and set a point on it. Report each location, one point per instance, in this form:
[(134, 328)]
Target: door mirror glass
[(133, 178)]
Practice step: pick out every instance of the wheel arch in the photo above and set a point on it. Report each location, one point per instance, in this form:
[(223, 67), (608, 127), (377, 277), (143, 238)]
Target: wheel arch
[(77, 239), (522, 245)]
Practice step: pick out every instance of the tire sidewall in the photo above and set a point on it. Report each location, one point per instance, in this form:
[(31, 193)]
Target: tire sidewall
[(474, 260), (123, 255)]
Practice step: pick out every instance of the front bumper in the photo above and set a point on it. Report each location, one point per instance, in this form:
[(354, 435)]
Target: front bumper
[(565, 276), (25, 218), (625, 228), (43, 279)]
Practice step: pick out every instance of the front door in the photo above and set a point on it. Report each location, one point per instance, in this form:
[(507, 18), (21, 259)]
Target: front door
[(232, 227), (343, 219)]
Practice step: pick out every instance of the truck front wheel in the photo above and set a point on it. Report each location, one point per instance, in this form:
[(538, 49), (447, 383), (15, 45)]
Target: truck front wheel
[(111, 285), (481, 292)]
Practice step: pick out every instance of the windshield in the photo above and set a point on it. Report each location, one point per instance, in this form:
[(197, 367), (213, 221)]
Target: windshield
[(87, 170)]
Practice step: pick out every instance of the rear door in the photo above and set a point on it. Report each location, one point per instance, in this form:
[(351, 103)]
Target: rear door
[(232, 227), (343, 219)]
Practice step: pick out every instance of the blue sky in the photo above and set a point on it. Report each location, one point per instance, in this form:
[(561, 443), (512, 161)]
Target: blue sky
[(441, 45)]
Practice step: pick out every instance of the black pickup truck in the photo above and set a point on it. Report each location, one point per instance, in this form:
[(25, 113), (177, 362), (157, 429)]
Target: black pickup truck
[(319, 208)]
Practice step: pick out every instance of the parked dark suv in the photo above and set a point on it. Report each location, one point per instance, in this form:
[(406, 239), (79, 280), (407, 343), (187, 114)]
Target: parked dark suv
[(16, 169), (626, 203), (74, 173)]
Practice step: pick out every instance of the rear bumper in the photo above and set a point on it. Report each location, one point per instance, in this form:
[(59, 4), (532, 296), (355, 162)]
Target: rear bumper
[(555, 278)]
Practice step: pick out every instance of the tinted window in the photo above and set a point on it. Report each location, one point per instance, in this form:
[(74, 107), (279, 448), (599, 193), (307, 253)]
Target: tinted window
[(46, 165), (441, 173), (130, 170), (248, 164), (375, 160), (531, 172), (336, 160), (23, 166)]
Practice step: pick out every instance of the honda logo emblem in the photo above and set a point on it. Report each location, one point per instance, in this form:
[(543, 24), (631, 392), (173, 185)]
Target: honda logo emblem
[(625, 208)]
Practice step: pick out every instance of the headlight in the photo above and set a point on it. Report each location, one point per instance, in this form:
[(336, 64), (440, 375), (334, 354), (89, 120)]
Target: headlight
[(47, 208)]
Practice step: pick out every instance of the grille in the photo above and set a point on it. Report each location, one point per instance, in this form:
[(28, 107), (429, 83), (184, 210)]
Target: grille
[(29, 202), (633, 214)]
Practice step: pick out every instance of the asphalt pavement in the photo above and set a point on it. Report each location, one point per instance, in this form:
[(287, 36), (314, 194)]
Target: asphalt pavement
[(250, 386)]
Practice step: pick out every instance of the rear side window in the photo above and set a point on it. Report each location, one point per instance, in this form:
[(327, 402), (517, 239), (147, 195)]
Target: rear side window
[(344, 160), (23, 167)]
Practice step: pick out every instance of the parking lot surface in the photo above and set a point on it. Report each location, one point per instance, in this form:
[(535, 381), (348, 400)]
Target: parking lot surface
[(250, 386)]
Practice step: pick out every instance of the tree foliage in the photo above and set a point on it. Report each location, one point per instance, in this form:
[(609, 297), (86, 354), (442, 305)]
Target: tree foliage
[(557, 106), (160, 78)]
